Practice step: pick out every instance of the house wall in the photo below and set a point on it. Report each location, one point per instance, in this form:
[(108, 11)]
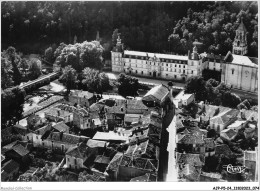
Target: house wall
[(57, 146), (81, 100), (81, 122), (37, 141), (54, 118), (189, 100), (74, 163), (219, 127), (159, 68), (241, 77)]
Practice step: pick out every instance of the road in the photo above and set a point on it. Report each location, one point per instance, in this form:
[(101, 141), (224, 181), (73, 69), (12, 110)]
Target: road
[(163, 158), (172, 170)]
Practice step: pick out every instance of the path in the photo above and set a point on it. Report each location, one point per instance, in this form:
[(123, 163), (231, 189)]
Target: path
[(172, 175)]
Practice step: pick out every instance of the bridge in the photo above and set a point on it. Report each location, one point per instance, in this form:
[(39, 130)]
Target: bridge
[(39, 82)]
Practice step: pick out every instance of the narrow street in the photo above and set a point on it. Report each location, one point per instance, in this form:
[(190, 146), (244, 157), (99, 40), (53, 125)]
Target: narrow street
[(172, 170), (163, 159)]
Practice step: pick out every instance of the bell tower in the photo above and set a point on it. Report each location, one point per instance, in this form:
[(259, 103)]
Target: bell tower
[(117, 59), (240, 41)]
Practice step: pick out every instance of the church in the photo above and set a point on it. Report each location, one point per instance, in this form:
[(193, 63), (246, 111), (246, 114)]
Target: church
[(236, 70)]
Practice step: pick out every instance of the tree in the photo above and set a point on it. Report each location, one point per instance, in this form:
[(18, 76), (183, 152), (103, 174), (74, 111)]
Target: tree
[(12, 100), (230, 100), (196, 85), (94, 81), (127, 85), (80, 55), (6, 74), (24, 65), (69, 78), (35, 69), (14, 59), (49, 56)]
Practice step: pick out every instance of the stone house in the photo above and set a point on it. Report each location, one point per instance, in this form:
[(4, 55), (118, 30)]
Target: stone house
[(82, 98), (191, 142), (222, 120), (76, 156), (57, 115), (38, 135), (60, 142), (18, 153)]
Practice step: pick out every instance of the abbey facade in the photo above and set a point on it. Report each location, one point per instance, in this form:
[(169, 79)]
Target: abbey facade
[(236, 70)]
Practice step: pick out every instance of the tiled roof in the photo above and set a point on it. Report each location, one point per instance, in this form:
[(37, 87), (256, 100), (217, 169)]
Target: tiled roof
[(224, 117), (135, 104), (223, 149), (116, 109), (143, 178), (241, 27), (7, 131), (240, 60), (89, 178), (61, 127), (109, 136), (149, 119), (191, 139), (211, 111), (79, 151), (140, 163), (152, 55), (66, 138), (190, 172), (191, 159), (43, 129), (236, 124), (57, 112), (82, 94), (10, 166), (96, 107), (20, 129), (22, 151), (9, 146), (66, 107), (157, 93), (249, 114), (94, 143), (133, 118), (228, 134), (94, 115), (102, 159), (114, 163)]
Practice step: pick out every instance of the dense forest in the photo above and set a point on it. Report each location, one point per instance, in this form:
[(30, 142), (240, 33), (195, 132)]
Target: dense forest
[(31, 27)]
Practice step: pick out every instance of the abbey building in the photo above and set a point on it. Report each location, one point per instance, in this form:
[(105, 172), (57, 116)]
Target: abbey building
[(235, 69)]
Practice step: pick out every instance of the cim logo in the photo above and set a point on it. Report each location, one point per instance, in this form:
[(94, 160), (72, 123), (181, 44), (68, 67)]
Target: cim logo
[(234, 169)]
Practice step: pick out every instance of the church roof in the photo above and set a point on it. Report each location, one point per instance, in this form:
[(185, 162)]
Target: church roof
[(241, 27), (152, 55), (241, 60)]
